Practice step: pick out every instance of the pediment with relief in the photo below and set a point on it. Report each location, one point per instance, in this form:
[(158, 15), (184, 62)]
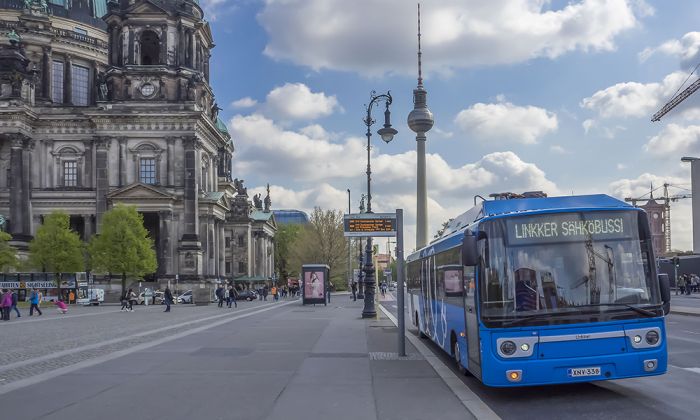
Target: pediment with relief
[(146, 7), (139, 191)]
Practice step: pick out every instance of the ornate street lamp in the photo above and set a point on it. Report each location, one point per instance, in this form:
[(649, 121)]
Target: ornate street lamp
[(387, 134), (360, 282)]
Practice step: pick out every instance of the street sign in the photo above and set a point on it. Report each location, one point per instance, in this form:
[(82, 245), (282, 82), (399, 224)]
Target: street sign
[(370, 224)]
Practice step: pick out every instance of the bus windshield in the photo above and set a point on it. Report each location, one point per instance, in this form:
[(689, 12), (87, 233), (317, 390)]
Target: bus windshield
[(563, 268)]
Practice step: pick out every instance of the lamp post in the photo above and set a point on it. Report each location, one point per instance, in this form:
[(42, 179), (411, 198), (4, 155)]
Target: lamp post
[(387, 134), (360, 277), (350, 279)]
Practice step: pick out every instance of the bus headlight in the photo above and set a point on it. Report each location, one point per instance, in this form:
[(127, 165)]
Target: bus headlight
[(637, 339), (508, 348), (652, 337), (524, 347)]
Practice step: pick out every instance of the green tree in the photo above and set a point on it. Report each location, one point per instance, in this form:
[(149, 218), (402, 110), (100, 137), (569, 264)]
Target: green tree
[(284, 239), (55, 247), (123, 247), (8, 255), (322, 241)]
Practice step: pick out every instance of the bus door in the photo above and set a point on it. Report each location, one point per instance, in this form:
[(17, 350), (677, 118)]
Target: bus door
[(472, 322), (427, 296)]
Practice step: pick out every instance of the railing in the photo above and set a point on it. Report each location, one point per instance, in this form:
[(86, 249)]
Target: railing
[(79, 37)]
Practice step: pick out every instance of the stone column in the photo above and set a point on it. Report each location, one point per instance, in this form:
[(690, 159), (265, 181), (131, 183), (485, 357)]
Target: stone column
[(122, 161), (211, 245), (16, 184), (87, 230), (164, 45), (193, 50), (88, 158), (101, 178), (165, 265), (180, 59), (130, 54), (46, 73), (68, 84), (171, 160), (27, 185), (191, 229), (222, 249), (48, 159)]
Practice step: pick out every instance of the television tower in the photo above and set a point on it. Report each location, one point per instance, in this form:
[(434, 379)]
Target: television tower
[(420, 120)]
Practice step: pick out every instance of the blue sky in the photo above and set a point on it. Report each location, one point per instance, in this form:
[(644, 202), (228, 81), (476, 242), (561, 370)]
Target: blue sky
[(550, 95)]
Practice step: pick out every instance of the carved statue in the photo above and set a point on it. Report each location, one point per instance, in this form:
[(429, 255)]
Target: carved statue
[(268, 202), (102, 88), (215, 111), (257, 202), (240, 189)]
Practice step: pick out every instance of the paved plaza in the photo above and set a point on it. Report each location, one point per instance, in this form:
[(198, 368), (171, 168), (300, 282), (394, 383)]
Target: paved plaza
[(264, 360)]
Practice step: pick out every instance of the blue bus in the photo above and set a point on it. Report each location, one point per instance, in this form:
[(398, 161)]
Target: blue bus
[(543, 290)]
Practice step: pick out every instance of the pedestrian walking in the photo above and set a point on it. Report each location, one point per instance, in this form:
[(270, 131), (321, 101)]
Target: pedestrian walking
[(34, 299), (265, 292), (5, 304), (220, 295), (681, 284), (14, 303), (232, 297), (273, 291), (131, 296), (125, 302), (71, 297), (168, 298), (353, 287)]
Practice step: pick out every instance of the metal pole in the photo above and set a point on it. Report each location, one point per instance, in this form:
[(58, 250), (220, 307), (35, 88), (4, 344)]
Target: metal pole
[(400, 286), (350, 279)]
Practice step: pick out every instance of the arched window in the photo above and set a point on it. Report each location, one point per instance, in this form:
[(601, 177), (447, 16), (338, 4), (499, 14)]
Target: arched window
[(69, 161), (150, 48)]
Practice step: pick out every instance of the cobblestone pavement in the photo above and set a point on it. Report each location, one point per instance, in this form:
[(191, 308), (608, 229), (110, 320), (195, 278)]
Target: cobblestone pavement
[(52, 341)]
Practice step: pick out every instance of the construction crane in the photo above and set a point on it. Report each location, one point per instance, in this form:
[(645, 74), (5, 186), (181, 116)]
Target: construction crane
[(678, 98), (667, 199)]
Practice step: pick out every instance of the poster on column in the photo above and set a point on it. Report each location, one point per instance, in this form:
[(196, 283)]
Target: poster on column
[(315, 279)]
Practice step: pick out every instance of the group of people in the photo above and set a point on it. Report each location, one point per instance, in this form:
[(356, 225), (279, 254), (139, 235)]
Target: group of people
[(9, 300), (277, 292), (229, 296), (688, 283)]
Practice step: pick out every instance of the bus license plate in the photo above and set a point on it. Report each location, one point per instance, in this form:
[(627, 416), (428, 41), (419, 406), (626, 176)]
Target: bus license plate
[(587, 371)]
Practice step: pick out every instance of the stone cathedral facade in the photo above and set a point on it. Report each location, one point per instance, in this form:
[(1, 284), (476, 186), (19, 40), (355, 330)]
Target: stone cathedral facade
[(105, 102)]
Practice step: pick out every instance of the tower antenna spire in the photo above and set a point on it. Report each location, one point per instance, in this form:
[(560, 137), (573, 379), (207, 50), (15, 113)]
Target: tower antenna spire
[(420, 70)]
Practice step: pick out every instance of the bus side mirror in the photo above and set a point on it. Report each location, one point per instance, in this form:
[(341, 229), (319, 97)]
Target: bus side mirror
[(470, 255), (665, 287)]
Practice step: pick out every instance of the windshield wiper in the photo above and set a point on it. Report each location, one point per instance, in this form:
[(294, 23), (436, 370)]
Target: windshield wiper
[(626, 305)]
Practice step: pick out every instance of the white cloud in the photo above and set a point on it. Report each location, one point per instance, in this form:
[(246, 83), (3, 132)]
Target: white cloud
[(621, 166), (632, 99), (343, 35), (307, 168), (504, 121), (309, 156), (555, 148), (296, 101), (675, 140), (687, 49), (681, 232), (246, 102)]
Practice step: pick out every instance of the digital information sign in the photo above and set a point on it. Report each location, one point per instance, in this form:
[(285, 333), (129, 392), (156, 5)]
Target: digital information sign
[(370, 224), (563, 227)]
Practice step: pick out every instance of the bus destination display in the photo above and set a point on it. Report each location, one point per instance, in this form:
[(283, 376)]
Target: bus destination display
[(568, 227), (370, 225)]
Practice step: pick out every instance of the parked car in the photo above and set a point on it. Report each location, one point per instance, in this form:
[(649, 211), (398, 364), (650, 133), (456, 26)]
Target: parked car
[(185, 297), (247, 295)]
